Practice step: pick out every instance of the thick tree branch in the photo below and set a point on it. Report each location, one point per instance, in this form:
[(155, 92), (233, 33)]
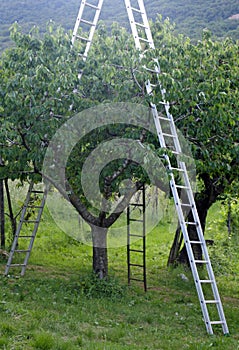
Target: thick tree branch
[(122, 205)]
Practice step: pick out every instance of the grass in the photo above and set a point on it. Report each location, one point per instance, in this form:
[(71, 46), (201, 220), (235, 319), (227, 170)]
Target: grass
[(59, 305)]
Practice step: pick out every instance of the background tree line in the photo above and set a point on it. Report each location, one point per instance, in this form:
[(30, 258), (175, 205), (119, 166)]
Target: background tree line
[(190, 17)]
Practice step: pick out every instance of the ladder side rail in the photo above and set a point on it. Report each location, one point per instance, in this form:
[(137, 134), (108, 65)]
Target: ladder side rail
[(34, 232), (91, 32), (189, 193), (78, 21), (167, 108), (205, 250), (158, 126), (144, 238), (92, 29), (166, 104), (146, 23), (128, 245), (173, 128), (168, 114), (182, 166), (134, 26), (190, 253), (19, 227)]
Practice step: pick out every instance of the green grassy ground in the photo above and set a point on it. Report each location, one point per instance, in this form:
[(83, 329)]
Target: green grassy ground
[(59, 305)]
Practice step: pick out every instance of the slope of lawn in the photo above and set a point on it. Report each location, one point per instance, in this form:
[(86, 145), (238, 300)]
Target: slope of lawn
[(60, 305)]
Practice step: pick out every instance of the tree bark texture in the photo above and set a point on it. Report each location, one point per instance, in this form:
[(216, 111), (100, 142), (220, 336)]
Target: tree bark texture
[(11, 214), (180, 256), (100, 257)]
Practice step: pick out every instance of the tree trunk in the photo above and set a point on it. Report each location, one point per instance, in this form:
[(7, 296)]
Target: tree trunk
[(177, 242), (180, 256), (11, 215), (202, 208), (100, 256), (2, 219)]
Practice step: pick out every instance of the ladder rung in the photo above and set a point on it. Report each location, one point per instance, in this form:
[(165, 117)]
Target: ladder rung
[(134, 235), (186, 205), (168, 135), (211, 301), (164, 118), (87, 22), (195, 242), (82, 38), (16, 265), (152, 85), (183, 187), (136, 204), (136, 220), (37, 191), (136, 10), (146, 41), (22, 236), (217, 322), (30, 221), (201, 261), (140, 25), (92, 6), (34, 206), (136, 250), (191, 223), (155, 72), (177, 169), (206, 281), (21, 251), (138, 265), (136, 279)]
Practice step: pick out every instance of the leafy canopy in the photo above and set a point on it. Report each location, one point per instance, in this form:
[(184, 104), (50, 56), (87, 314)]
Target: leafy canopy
[(40, 90)]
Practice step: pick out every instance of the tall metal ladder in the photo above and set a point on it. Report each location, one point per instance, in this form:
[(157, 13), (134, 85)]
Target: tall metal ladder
[(85, 25), (179, 179), (87, 19), (168, 140), (30, 218), (136, 239)]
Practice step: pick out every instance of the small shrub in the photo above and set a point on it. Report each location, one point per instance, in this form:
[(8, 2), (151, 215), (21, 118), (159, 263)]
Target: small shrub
[(62, 345), (219, 254), (92, 287), (3, 342), (6, 329), (79, 341), (44, 341)]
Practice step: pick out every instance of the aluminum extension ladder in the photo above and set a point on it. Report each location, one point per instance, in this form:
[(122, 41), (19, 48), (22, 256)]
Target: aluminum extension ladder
[(87, 19), (27, 229)]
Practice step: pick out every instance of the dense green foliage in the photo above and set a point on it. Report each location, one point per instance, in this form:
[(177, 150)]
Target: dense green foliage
[(201, 103), (190, 17), (40, 91)]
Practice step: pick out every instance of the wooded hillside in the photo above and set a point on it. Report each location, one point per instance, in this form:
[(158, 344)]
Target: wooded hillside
[(190, 17)]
